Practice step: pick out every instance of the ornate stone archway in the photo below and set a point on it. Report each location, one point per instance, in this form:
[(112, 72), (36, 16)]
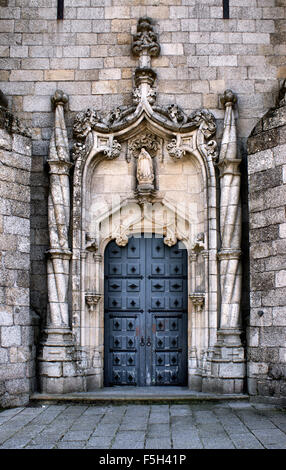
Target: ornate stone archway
[(141, 169)]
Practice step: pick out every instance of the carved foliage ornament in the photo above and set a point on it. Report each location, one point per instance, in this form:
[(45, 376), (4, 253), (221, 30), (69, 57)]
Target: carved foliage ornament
[(147, 141), (91, 119), (174, 151), (145, 40)]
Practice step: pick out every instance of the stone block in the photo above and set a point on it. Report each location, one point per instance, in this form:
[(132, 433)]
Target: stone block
[(280, 278), (172, 49), (91, 63), (94, 13), (16, 225), (52, 385), (73, 384), (51, 369), (19, 354), (17, 386), (110, 74), (117, 12), (11, 336), (252, 386), (261, 321), (14, 371), (275, 297), (267, 217), (256, 368), (69, 369), (252, 337), (59, 75), (6, 315), (3, 359), (232, 370), (37, 103), (279, 316)]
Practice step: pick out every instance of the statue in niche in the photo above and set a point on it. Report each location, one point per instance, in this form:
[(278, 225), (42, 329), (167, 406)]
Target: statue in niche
[(145, 172)]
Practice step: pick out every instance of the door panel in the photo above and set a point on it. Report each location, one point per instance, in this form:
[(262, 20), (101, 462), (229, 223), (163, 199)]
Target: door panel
[(145, 313)]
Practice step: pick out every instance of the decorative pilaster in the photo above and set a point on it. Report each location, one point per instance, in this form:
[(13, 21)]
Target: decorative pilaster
[(57, 370), (228, 361)]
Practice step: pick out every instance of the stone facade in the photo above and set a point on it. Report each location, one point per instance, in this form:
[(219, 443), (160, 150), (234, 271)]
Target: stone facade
[(17, 322), (267, 198), (88, 56)]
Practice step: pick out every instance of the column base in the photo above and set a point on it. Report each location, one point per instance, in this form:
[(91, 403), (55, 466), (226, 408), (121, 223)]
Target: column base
[(227, 364), (57, 365)]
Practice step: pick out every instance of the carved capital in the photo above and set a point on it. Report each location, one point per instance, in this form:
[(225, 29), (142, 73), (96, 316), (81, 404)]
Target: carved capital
[(199, 244), (59, 167), (58, 253), (91, 243), (92, 300), (227, 254), (198, 300)]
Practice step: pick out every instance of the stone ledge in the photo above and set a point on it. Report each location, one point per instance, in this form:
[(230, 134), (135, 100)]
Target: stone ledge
[(135, 396)]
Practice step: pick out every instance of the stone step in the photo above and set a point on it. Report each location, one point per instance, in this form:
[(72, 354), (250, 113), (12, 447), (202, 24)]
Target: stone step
[(134, 395)]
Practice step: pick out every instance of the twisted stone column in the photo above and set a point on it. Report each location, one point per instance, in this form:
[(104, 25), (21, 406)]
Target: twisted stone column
[(57, 369), (59, 218), (230, 220), (227, 363)]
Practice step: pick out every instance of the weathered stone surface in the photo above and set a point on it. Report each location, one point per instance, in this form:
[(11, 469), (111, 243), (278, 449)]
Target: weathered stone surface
[(203, 55), (15, 245)]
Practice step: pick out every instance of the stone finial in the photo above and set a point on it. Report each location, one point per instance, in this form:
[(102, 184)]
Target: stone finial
[(59, 97), (145, 40), (228, 98)]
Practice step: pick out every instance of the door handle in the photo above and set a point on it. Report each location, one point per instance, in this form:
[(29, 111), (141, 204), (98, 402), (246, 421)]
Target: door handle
[(142, 342), (148, 341)]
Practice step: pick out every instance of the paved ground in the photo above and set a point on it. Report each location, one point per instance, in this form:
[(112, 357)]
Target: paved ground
[(227, 425)]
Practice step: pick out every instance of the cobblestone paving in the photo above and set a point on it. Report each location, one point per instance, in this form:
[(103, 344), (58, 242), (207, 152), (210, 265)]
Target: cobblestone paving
[(231, 425)]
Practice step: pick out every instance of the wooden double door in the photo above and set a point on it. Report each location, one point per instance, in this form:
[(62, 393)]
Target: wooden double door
[(145, 339)]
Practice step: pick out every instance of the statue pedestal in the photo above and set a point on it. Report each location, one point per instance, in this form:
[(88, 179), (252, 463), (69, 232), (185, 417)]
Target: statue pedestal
[(227, 364), (57, 368)]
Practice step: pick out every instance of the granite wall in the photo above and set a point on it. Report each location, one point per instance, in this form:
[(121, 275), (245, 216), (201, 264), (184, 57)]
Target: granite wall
[(267, 199), (17, 350)]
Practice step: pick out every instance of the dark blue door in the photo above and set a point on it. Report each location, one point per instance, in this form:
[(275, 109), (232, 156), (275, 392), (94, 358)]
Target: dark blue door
[(145, 313)]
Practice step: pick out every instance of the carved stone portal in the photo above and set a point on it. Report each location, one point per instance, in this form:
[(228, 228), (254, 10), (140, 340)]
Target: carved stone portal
[(145, 168)]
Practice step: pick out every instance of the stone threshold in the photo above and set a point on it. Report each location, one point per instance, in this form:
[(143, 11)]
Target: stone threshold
[(118, 395)]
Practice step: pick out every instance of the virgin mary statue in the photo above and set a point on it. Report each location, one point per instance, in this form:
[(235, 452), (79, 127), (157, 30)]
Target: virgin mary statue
[(145, 173)]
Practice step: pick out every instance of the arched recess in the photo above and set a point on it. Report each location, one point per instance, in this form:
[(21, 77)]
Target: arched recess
[(106, 206)]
